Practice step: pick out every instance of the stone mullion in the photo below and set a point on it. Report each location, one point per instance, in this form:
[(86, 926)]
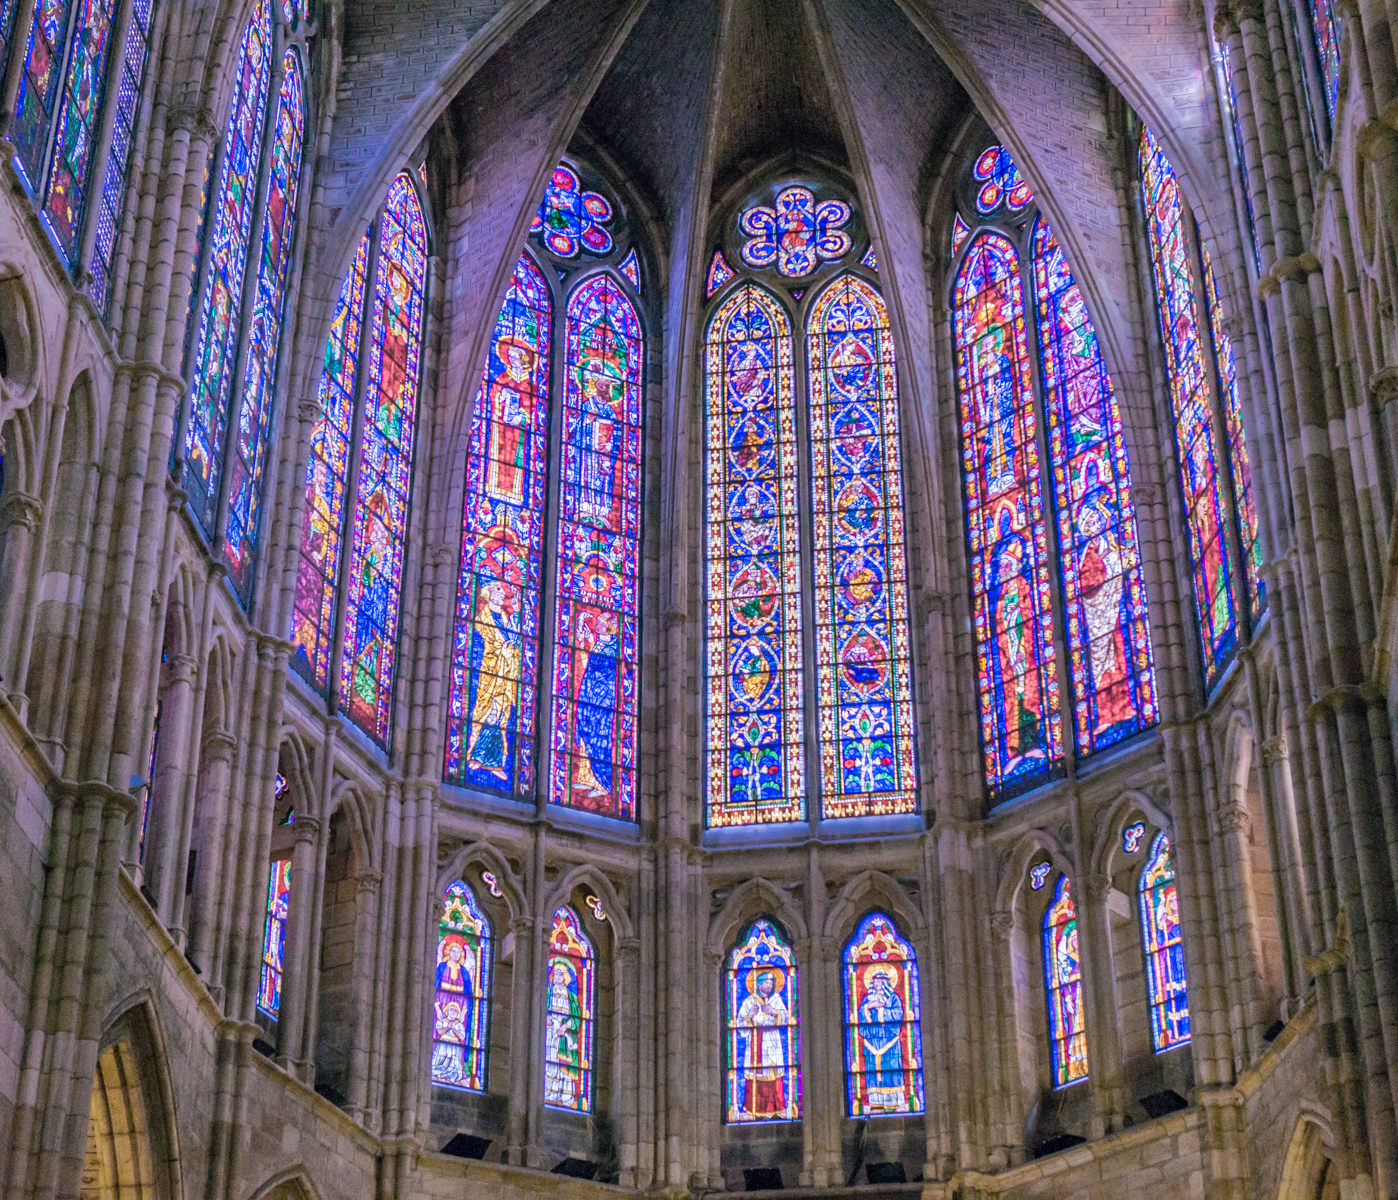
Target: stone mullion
[(1372, 52), (306, 881), (385, 947), (712, 1093), (625, 1049), (1006, 1100), (1298, 174), (418, 853), (1104, 1037), (536, 885), (310, 1023), (400, 964), (20, 515), (522, 992), (417, 1078), (163, 871), (648, 1041)]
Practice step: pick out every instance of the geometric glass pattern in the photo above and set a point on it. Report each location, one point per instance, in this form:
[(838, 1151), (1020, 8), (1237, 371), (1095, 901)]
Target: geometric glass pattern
[(1001, 182), (797, 234), (863, 678), (719, 274), (1239, 470), (883, 1028), (760, 1015), (1131, 837), (216, 345), (38, 87), (570, 219), (1231, 92), (597, 634), (1326, 28), (1164, 951), (869, 260), (79, 118), (1109, 652), (461, 1007), (1211, 560), (490, 716), (630, 268), (112, 199), (1007, 535), (379, 524), (1038, 876), (569, 1025), (264, 336), (960, 231), (1067, 1025), (269, 992), (327, 477), (755, 738)]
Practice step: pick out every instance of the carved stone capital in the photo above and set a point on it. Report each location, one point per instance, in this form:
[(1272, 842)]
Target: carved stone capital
[(368, 882), (1383, 384), (20, 508), (182, 668), (195, 119), (521, 924), (440, 555), (1249, 10), (308, 409), (1225, 22), (218, 746), (1096, 886), (674, 616), (1275, 749), (306, 828), (1234, 818), (1002, 924)]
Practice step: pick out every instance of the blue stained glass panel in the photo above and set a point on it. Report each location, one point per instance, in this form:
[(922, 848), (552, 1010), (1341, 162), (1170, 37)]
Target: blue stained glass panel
[(1067, 1023), (461, 1003), (1326, 28), (1166, 984), (269, 991), (763, 1049), (796, 235), (570, 1021), (883, 1022), (1000, 182), (571, 219)]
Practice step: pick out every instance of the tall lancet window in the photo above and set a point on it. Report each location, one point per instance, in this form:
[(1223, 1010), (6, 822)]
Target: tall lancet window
[(1217, 487), (883, 1021), (587, 562), (344, 624), (807, 265), (232, 388), (1096, 619), (461, 1006), (570, 1017), (278, 907), (1067, 1022), (762, 1045), (1326, 27), (1164, 949)]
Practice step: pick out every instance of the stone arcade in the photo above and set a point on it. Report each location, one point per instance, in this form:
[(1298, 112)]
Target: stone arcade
[(682, 596)]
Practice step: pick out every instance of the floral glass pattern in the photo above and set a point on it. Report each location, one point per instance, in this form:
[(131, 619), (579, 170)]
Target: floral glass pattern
[(39, 84), (763, 1078), (719, 274), (796, 234), (1326, 28), (461, 1004), (755, 737), (264, 340), (379, 525), (883, 1021), (1001, 182), (1160, 937), (1038, 875), (491, 711), (269, 991), (327, 477), (1109, 652), (1016, 672), (597, 625), (570, 1019), (1067, 1024), (1131, 837), (1211, 559), (216, 345), (570, 219), (863, 676), (134, 55)]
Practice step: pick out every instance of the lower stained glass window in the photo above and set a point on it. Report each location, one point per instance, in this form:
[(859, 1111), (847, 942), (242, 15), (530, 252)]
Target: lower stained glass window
[(1067, 1023), (490, 718), (269, 992), (863, 676), (1160, 939), (597, 634), (570, 1020), (883, 1025), (762, 1046), (755, 735), (461, 1007)]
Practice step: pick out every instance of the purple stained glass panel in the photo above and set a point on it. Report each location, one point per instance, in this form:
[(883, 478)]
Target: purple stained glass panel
[(571, 219), (379, 527), (461, 1002), (796, 234), (494, 676), (1000, 182), (597, 629)]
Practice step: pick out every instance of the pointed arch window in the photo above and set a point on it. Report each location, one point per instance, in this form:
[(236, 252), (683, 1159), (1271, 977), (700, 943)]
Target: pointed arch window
[(359, 473), (1067, 1023), (1326, 28), (590, 558), (760, 564), (1217, 488), (1166, 985), (570, 1020), (461, 1005), (236, 354), (883, 1021), (1096, 618), (269, 991), (762, 1046)]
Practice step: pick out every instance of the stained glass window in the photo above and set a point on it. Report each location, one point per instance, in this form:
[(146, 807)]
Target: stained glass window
[(760, 1015), (1326, 27), (1240, 157), (570, 1021), (327, 476), (797, 234), (883, 1021), (597, 629), (1067, 1024), (869, 260), (461, 1005), (1211, 560), (264, 337), (490, 718), (1109, 652), (755, 735), (1164, 951), (39, 86), (863, 678), (269, 992), (7, 17), (1016, 672), (1000, 182), (571, 219), (1240, 472), (1131, 837), (135, 52), (960, 231), (216, 347), (719, 274), (378, 528), (630, 268)]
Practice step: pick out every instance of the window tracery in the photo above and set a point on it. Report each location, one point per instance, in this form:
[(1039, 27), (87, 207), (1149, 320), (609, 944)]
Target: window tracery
[(762, 1046), (461, 1006), (883, 1021)]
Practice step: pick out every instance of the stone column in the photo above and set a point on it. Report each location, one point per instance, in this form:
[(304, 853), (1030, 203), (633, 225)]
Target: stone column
[(1103, 1033), (19, 518), (306, 881), (366, 926), (215, 766), (625, 1053), (165, 871), (521, 1025)]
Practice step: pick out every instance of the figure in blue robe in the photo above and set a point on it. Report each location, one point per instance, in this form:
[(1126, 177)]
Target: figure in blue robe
[(881, 1031)]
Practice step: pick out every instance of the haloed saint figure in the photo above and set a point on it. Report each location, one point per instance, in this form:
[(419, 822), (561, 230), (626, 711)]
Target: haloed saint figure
[(761, 1022), (763, 1079)]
